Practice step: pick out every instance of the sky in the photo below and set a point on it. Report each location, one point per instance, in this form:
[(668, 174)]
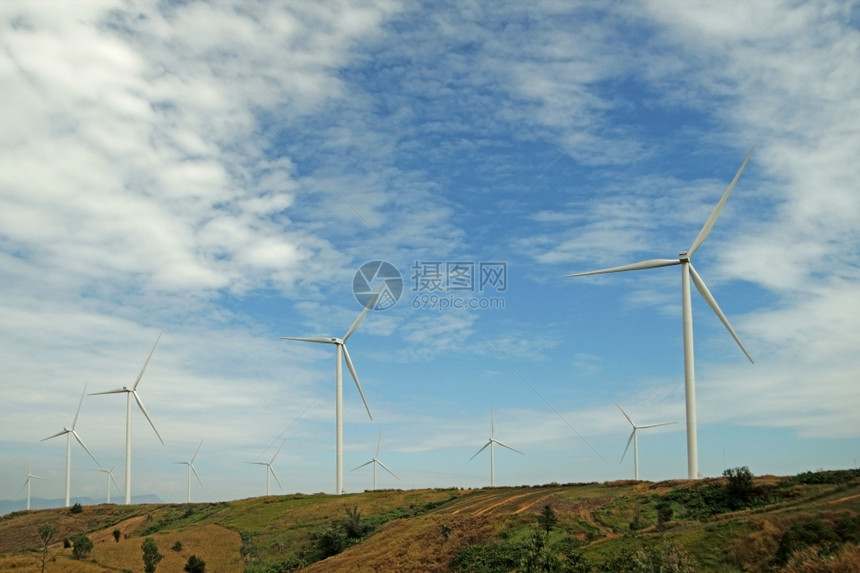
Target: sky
[(217, 173)]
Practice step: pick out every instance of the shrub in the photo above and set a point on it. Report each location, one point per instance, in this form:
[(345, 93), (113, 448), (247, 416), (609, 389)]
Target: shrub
[(195, 565), (116, 535), (76, 508), (740, 483), (177, 546), (81, 546), (151, 556)]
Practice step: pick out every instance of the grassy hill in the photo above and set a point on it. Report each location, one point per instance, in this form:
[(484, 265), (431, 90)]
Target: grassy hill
[(809, 522)]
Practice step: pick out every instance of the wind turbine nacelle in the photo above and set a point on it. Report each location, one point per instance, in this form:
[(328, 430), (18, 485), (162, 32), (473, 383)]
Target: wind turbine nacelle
[(684, 257)]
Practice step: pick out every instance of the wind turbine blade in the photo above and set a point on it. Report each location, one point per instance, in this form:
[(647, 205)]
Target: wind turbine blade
[(650, 264), (117, 391), (706, 294), (492, 426), (113, 479), (195, 473), (60, 433), (709, 224), (84, 446), (257, 463), (78, 411), (194, 457), (481, 450), (276, 478), (362, 465), (630, 439), (386, 469), (145, 364), (655, 425), (629, 419), (504, 445), (363, 312), (145, 413), (378, 443), (318, 339), (278, 452), (355, 377)]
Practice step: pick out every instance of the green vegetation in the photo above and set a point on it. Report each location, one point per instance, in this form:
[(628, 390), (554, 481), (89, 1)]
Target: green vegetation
[(151, 556), (195, 565), (738, 522), (81, 546), (76, 508)]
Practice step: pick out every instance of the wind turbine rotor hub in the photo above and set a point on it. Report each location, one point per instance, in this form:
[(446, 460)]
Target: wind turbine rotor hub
[(684, 257)]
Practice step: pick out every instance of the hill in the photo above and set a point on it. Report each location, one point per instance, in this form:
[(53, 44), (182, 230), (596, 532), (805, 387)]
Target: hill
[(809, 522)]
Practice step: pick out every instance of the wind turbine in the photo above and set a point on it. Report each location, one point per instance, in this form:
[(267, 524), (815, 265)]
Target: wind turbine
[(688, 272), (634, 437), (269, 469), (129, 392), (191, 468), (342, 353), (376, 461), (30, 476), (110, 478), (69, 432), (491, 442)]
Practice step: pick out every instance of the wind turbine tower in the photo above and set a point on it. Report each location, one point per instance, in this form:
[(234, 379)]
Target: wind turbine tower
[(110, 478), (69, 432), (129, 392), (688, 273), (376, 461), (340, 354), (491, 443), (634, 437), (191, 468), (270, 469), (30, 476)]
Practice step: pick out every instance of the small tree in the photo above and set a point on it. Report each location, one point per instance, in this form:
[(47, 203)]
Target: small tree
[(740, 483), (76, 508), (116, 535), (46, 534), (547, 519), (664, 514), (81, 546), (195, 565), (177, 546), (151, 556)]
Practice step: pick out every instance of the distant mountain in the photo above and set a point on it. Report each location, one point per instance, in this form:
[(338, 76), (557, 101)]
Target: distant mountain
[(8, 505)]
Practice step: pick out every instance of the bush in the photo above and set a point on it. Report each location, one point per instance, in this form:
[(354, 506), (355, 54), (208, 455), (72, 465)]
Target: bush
[(740, 483), (81, 546), (195, 565), (177, 546), (151, 556), (76, 508), (116, 535)]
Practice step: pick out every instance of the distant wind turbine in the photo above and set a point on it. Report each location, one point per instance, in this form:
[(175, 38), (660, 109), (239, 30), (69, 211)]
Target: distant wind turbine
[(30, 476), (191, 468), (634, 437), (376, 461), (342, 353), (688, 272), (129, 392), (110, 478), (69, 432), (491, 442), (270, 469)]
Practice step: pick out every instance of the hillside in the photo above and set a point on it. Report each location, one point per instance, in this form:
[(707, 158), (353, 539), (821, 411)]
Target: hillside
[(809, 522)]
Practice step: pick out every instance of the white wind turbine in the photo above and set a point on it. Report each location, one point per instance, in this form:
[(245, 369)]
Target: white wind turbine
[(30, 476), (191, 468), (129, 392), (634, 437), (110, 478), (688, 272), (269, 469), (69, 432), (491, 442), (376, 461), (342, 353)]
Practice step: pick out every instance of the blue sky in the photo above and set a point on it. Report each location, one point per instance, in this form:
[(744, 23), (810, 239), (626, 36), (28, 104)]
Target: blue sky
[(220, 171)]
